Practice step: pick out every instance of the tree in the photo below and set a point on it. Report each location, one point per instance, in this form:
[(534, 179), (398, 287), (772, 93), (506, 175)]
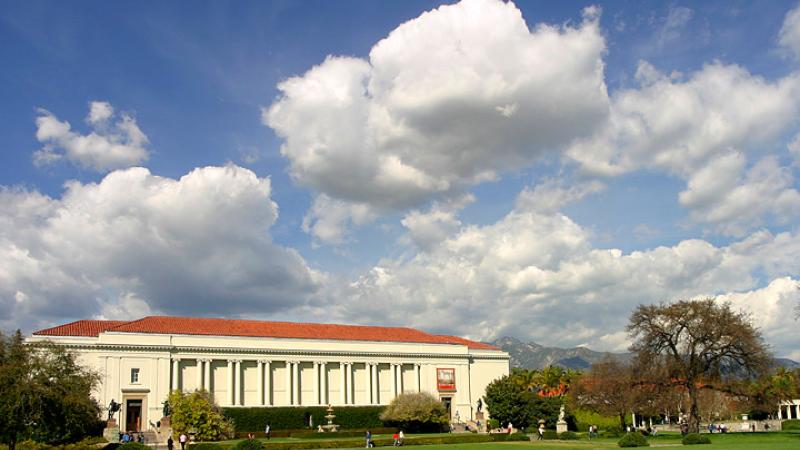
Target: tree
[(44, 394), (608, 388), (197, 412), (699, 344), (507, 401), (419, 411)]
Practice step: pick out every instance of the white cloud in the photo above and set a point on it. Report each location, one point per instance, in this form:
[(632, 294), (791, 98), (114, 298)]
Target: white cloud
[(425, 229), (674, 24), (552, 195), (194, 246), (789, 35), (110, 145), (535, 274), (329, 219), (417, 122)]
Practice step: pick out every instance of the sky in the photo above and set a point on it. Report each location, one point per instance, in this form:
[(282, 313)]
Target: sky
[(480, 168)]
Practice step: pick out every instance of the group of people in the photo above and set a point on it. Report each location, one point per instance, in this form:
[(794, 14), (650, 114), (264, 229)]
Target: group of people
[(131, 437), (183, 439), (593, 431), (398, 437)]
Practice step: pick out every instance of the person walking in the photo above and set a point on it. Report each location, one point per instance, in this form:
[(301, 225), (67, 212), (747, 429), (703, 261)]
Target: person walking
[(266, 431), (368, 439), (541, 432), (400, 438), (170, 443), (395, 439), (182, 439)]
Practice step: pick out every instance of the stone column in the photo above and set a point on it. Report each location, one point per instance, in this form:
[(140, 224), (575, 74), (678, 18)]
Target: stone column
[(199, 377), (288, 382), (368, 377), (207, 376), (239, 386), (375, 388), (393, 376), (176, 373), (399, 379), (418, 377), (296, 383), (351, 385), (323, 383), (268, 383), (231, 397), (342, 384), (316, 384), (260, 387)]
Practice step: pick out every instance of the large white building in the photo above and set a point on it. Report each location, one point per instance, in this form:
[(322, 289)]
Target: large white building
[(255, 363)]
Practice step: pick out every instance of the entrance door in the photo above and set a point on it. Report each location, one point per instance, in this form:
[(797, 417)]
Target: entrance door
[(448, 403), (133, 415)]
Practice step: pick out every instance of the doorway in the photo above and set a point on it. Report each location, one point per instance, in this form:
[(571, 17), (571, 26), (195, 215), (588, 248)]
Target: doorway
[(133, 415), (448, 404)]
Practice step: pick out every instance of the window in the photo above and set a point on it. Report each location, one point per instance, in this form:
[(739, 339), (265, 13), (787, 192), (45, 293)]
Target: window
[(134, 376)]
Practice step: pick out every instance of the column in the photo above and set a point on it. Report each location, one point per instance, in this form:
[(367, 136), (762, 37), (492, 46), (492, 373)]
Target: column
[(375, 388), (342, 384), (207, 376), (368, 377), (296, 382), (399, 379), (199, 377), (393, 376), (418, 377), (268, 382), (239, 391), (260, 387), (176, 368), (351, 395), (323, 383), (231, 397), (288, 382), (316, 384)]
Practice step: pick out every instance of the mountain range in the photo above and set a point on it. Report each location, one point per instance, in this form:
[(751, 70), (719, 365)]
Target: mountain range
[(530, 355)]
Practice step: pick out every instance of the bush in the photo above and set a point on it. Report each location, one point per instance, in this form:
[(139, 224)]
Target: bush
[(611, 433), (634, 439), (585, 418), (387, 442), (133, 446), (416, 412), (29, 444), (197, 411), (296, 418), (789, 425), (550, 434), (568, 436), (205, 446), (695, 439), (248, 444), (493, 423)]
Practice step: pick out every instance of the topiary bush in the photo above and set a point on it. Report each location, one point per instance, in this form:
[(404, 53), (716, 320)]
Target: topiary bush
[(569, 436), (695, 439), (790, 425), (416, 412), (634, 439), (550, 434), (248, 444)]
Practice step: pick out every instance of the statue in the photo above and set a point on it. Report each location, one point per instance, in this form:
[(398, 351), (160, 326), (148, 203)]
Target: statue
[(480, 405), (112, 408), (561, 414), (167, 409)]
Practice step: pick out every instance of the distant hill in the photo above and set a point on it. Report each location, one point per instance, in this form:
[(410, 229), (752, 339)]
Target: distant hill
[(531, 355)]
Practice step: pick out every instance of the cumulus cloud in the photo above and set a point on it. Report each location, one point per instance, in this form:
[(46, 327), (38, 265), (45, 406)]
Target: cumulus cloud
[(329, 220), (789, 35), (139, 242), (110, 145), (426, 229), (416, 121), (535, 274)]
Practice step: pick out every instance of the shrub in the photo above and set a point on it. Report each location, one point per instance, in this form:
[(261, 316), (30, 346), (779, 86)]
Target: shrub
[(29, 444), (633, 440), (550, 434), (133, 446), (585, 418), (493, 423), (416, 412), (788, 425), (611, 433), (296, 418), (568, 436), (695, 439), (248, 444), (205, 446)]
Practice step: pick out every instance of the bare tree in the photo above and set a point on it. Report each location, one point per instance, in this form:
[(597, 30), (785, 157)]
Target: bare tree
[(700, 344), (609, 389)]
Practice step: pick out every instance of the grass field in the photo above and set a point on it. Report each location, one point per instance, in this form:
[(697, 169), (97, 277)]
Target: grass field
[(733, 441)]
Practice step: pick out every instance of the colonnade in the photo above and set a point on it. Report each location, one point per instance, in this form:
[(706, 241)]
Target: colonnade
[(321, 392)]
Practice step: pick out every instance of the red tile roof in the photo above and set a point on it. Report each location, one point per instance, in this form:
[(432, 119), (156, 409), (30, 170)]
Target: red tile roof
[(90, 328), (257, 328)]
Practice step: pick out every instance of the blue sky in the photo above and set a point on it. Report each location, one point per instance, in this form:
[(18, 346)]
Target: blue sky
[(487, 169)]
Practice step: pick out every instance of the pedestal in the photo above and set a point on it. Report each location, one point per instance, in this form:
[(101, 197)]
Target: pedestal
[(561, 426), (479, 415), (164, 429), (111, 431)]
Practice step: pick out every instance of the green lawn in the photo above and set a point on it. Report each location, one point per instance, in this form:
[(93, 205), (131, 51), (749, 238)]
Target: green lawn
[(733, 441)]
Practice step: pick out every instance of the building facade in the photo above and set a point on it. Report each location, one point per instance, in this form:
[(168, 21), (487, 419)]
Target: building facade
[(245, 363)]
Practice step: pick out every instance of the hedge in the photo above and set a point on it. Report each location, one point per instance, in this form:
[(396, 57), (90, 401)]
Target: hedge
[(789, 425), (568, 436), (388, 442), (205, 446), (633, 439), (280, 418), (695, 439)]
